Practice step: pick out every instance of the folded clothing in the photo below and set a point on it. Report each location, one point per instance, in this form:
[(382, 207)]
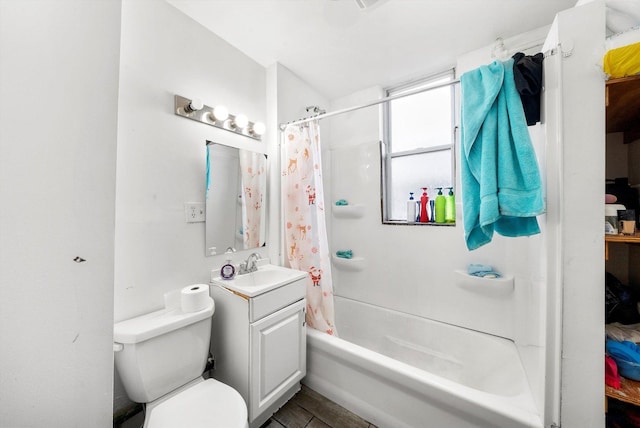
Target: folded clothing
[(625, 350), (621, 332), (527, 73), (483, 271), (342, 202), (611, 376), (344, 254), (620, 302), (627, 357)]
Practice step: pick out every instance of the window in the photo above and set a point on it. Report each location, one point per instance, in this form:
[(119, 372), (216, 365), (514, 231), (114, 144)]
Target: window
[(419, 134)]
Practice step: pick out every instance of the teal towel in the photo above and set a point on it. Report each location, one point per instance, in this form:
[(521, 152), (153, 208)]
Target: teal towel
[(483, 271), (342, 202), (344, 254), (501, 187)]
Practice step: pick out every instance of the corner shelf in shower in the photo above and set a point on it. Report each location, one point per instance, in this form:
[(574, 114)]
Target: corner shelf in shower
[(488, 286), (354, 264), (348, 211)]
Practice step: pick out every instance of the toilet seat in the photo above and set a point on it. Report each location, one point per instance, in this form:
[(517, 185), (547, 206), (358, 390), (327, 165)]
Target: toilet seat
[(207, 404)]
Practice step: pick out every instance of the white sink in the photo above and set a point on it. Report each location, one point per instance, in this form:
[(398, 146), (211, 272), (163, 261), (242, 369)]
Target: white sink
[(266, 278)]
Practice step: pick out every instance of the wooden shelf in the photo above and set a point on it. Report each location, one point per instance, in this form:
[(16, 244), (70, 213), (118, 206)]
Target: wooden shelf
[(635, 239), (622, 99), (629, 391), (624, 239)]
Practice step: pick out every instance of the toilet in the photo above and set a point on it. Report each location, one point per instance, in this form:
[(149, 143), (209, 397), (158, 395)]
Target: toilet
[(160, 357)]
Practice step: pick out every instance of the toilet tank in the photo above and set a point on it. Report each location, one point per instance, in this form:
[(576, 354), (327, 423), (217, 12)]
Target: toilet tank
[(162, 351)]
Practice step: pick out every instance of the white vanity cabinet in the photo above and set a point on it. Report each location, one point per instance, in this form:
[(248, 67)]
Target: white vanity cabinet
[(258, 343)]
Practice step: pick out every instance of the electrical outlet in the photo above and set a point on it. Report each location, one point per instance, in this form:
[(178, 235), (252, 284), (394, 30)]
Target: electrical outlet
[(194, 212)]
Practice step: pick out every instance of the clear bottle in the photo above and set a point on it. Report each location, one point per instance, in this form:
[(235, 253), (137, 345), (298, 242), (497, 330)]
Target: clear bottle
[(432, 205), (228, 270), (411, 209)]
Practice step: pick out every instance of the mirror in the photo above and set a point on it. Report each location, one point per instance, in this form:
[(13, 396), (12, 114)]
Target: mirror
[(236, 199)]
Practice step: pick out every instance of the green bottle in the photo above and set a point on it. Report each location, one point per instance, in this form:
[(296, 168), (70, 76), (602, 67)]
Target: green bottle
[(440, 206), (450, 207)]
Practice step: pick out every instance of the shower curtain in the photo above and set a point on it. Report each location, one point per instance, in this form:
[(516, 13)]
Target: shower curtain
[(252, 167), (304, 216)]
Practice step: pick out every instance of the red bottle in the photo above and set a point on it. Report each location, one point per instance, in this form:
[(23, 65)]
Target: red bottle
[(424, 201)]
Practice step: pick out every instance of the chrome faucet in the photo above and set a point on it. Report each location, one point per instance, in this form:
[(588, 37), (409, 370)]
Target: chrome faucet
[(250, 265)]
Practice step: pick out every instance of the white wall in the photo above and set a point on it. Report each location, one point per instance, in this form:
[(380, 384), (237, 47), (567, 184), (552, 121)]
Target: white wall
[(287, 99), (576, 223), (526, 258), (558, 273), (59, 87), (161, 157), (411, 268), (294, 95), (57, 179), (408, 268)]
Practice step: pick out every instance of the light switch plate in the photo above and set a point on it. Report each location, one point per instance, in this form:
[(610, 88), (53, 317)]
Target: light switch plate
[(194, 212)]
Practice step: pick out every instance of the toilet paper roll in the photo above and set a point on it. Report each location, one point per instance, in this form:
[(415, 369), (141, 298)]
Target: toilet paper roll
[(194, 298)]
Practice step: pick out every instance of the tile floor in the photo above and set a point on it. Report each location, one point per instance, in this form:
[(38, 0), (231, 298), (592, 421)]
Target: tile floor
[(312, 410), (307, 409)]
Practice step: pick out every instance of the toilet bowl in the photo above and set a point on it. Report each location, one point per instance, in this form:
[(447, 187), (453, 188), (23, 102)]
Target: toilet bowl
[(202, 404), (161, 357)]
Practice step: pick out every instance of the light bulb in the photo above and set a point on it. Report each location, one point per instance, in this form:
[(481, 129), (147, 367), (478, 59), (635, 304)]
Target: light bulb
[(258, 128), (241, 121), (220, 113), (194, 105)]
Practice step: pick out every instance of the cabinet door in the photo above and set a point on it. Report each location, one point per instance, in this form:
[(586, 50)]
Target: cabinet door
[(278, 355)]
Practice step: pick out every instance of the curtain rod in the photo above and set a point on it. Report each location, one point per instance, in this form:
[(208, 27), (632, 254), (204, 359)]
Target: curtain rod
[(282, 126)]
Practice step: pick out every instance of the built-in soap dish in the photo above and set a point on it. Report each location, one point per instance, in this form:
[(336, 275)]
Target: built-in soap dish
[(485, 286), (348, 211), (354, 264)]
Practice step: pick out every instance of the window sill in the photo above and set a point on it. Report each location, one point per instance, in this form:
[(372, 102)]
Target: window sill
[(404, 223)]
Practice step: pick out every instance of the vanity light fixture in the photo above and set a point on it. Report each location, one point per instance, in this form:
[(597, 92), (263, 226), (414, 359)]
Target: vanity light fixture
[(219, 117)]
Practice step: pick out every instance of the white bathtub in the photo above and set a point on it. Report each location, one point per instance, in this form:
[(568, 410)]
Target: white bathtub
[(398, 370)]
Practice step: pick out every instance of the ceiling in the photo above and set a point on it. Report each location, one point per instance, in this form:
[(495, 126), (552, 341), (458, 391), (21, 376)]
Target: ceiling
[(338, 47)]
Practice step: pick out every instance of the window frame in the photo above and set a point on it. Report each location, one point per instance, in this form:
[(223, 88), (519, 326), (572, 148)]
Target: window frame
[(386, 153)]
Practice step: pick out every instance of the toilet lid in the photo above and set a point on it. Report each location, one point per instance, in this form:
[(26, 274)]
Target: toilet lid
[(207, 404)]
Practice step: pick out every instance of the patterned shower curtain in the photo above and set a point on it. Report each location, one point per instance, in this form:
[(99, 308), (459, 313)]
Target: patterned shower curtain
[(305, 228), (253, 167)]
